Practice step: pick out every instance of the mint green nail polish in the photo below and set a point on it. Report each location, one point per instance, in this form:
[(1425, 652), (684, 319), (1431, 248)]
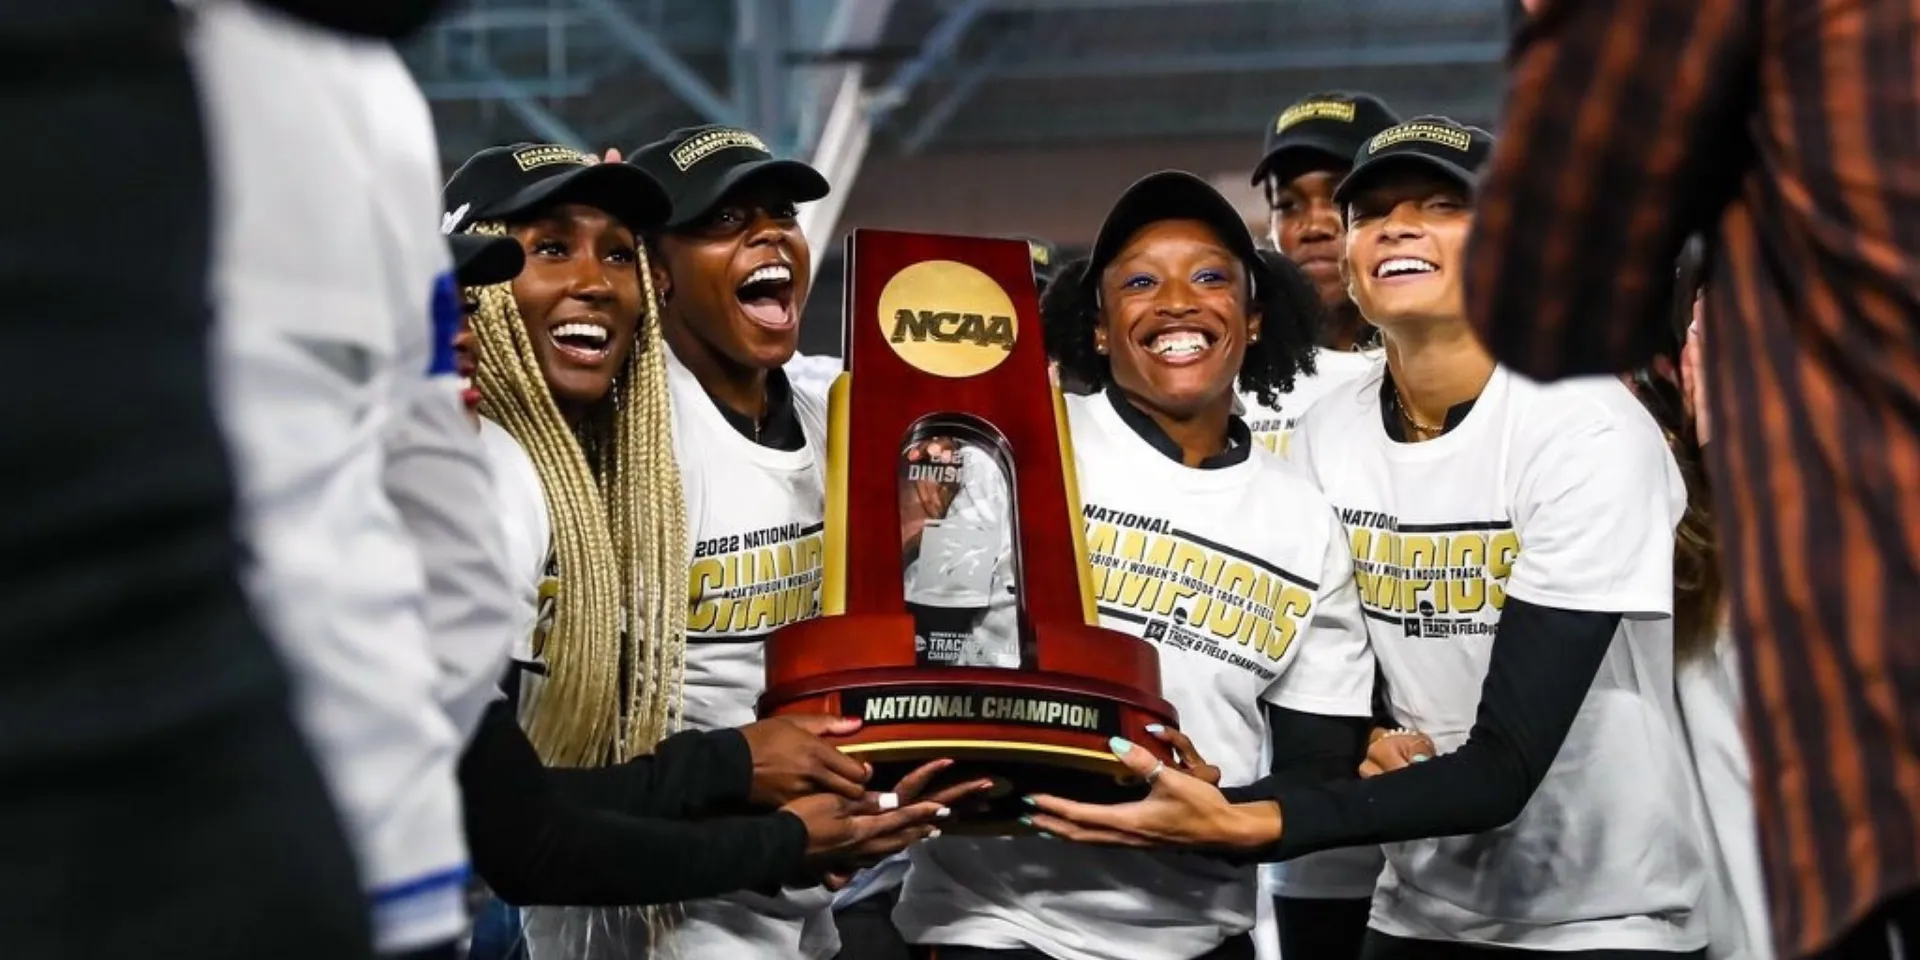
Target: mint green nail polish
[(1119, 746), (1026, 821), (1029, 801), (1421, 758), (1156, 728)]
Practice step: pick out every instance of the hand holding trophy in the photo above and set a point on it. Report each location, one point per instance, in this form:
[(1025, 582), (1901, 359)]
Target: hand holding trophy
[(957, 613)]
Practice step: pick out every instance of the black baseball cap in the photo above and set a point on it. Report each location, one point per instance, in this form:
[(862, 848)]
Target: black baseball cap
[(699, 166), (480, 261), (1045, 255), (1320, 131), (1437, 143), (1171, 195), (500, 183)]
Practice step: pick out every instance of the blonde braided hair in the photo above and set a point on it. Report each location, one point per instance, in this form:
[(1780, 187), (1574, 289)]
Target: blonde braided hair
[(618, 515)]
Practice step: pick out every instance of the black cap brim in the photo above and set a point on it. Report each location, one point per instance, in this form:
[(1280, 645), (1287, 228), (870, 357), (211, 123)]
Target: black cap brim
[(1370, 170), (624, 191), (803, 184), (484, 261), (1301, 154), (1169, 195)]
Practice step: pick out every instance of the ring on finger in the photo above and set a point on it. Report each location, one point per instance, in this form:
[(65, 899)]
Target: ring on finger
[(1159, 766)]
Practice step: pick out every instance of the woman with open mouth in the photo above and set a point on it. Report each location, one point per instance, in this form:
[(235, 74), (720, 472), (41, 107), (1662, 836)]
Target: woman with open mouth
[(577, 424), (1515, 552), (1173, 310), (731, 270)]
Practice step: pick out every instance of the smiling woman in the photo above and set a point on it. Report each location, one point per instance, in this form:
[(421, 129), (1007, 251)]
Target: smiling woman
[(559, 374), (732, 270), (1236, 570), (1179, 360)]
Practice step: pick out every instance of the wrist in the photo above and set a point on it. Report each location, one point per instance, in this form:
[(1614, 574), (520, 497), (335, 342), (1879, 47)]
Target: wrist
[(1252, 826), (733, 758)]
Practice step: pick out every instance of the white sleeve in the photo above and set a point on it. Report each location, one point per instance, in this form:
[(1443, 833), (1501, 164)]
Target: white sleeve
[(339, 143), (1296, 449), (1595, 516), (437, 476), (522, 508), (1334, 671)]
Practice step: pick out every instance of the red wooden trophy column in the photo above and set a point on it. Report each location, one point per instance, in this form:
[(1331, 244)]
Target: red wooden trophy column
[(1080, 684)]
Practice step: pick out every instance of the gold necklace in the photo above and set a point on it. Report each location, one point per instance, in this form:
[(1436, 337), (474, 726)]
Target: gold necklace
[(1406, 417)]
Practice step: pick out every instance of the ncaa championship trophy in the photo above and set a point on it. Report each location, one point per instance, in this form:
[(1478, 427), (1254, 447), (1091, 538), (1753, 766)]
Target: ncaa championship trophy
[(957, 613)]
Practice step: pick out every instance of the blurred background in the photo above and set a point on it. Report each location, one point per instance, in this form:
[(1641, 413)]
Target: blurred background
[(961, 116)]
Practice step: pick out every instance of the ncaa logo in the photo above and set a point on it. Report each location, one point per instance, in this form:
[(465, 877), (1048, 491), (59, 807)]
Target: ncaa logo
[(948, 319)]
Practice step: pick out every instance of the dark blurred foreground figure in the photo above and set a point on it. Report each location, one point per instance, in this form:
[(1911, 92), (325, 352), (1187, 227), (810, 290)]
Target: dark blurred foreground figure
[(162, 802), (1787, 132)]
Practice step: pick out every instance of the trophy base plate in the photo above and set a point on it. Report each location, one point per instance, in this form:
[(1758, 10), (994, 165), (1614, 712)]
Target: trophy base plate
[(1027, 731)]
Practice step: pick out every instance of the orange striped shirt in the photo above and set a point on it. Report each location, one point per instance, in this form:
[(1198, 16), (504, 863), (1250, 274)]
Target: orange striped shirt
[(1789, 131)]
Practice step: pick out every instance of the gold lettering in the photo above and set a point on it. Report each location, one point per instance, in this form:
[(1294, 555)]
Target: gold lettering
[(1502, 551), (1416, 554), (1293, 604)]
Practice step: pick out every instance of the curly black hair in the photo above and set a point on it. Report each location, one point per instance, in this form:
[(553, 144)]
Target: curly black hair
[(1290, 312)]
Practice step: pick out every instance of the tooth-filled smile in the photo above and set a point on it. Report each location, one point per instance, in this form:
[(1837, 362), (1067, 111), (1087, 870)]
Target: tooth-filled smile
[(767, 295), (1179, 343), (587, 341), (1403, 267)]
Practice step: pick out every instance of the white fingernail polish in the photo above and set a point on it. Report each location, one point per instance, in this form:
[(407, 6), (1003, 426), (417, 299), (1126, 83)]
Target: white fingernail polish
[(933, 833), (942, 813)]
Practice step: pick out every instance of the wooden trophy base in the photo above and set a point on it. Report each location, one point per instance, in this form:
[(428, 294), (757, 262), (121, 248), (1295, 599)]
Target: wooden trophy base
[(1030, 731)]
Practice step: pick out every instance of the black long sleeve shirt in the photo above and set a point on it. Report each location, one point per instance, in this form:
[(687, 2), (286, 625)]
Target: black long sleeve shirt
[(1542, 664), (380, 19), (622, 835)]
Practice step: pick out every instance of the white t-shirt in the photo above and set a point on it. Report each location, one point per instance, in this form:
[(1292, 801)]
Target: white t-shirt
[(522, 502), (754, 522), (325, 262), (1270, 425), (1709, 690), (1347, 874), (1240, 577), (1350, 873), (1563, 495)]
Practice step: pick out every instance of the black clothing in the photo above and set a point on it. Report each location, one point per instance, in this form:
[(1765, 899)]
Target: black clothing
[(1314, 747), (867, 931), (1239, 435), (1312, 929), (1379, 946), (1234, 948), (158, 793), (1543, 662), (1886, 934), (619, 836), (780, 428), (380, 19)]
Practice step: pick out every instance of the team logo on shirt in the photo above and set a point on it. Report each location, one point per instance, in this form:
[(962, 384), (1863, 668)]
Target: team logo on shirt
[(947, 319), (743, 585), (1433, 580), (1270, 432), (1192, 593)]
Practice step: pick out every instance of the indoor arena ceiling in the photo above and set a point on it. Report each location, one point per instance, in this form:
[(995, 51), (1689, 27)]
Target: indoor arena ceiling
[(939, 75)]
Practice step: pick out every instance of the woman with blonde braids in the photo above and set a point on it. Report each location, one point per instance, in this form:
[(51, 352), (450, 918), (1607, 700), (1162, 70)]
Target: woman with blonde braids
[(575, 419)]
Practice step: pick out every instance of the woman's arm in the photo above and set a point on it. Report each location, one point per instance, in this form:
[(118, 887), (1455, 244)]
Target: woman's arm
[(1311, 748), (687, 775), (533, 844), (1542, 664)]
